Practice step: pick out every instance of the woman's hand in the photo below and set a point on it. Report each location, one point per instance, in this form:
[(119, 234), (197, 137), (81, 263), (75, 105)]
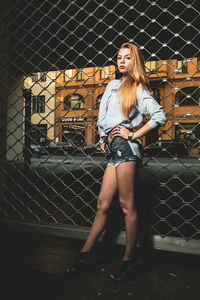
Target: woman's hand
[(121, 131), (103, 147)]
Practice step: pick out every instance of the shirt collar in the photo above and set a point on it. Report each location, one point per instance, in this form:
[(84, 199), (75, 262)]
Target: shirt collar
[(117, 84)]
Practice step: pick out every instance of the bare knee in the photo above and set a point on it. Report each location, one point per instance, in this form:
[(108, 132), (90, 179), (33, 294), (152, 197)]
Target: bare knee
[(128, 207), (124, 208), (102, 205)]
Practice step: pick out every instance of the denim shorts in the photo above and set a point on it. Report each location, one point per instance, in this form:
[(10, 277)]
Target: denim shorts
[(120, 151)]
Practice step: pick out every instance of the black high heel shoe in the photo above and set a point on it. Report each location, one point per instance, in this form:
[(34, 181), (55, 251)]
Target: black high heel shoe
[(126, 271), (83, 263)]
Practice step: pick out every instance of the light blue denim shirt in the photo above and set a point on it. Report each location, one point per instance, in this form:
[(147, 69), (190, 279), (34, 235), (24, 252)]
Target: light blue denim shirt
[(110, 114)]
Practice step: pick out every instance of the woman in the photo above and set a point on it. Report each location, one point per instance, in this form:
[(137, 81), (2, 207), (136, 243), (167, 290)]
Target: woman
[(123, 106)]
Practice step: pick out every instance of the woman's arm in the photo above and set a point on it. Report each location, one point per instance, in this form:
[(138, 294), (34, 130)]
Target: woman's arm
[(147, 106), (151, 108), (103, 148), (142, 131), (124, 132)]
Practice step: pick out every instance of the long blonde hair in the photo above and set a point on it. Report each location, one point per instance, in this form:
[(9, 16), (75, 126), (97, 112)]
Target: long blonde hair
[(136, 76)]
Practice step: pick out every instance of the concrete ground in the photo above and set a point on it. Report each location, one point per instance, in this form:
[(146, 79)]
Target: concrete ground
[(33, 267)]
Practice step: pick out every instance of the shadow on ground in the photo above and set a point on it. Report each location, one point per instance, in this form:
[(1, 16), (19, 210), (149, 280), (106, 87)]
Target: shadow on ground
[(33, 267)]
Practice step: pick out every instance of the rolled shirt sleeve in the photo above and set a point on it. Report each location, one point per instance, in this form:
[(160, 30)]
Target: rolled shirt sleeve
[(153, 109)]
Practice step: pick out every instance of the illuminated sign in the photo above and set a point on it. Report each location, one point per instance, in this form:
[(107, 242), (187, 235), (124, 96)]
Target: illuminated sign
[(187, 117), (72, 119)]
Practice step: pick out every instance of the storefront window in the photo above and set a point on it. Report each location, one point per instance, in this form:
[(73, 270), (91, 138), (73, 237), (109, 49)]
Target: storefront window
[(188, 96), (74, 101), (38, 134), (188, 133), (152, 137), (74, 133)]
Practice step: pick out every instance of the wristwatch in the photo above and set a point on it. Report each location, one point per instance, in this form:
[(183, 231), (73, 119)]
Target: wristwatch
[(130, 135)]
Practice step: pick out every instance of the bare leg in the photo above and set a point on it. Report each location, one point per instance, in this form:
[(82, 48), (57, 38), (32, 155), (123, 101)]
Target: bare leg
[(126, 186), (107, 192)]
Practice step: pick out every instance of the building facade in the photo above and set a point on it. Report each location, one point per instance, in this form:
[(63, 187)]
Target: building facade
[(78, 94), (181, 101), (43, 95)]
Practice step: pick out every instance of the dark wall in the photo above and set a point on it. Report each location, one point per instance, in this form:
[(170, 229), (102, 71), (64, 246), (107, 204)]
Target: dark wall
[(3, 89)]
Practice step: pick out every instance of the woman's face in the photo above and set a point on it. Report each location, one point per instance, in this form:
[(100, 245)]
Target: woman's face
[(124, 60)]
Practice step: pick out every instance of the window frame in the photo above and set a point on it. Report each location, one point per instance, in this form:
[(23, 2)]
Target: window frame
[(104, 72), (43, 77), (38, 76), (35, 77), (68, 74), (182, 66), (66, 101), (151, 66), (80, 74), (38, 104), (185, 98)]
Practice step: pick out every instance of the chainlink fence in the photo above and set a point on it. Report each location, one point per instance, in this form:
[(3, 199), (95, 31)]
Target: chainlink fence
[(61, 56)]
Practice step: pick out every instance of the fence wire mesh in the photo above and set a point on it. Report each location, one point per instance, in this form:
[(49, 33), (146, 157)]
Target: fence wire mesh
[(62, 55)]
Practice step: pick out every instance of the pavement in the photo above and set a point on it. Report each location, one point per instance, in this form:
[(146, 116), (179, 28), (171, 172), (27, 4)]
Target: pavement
[(33, 267)]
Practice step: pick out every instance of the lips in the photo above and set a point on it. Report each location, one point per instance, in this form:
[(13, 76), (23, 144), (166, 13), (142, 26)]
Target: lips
[(122, 67)]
